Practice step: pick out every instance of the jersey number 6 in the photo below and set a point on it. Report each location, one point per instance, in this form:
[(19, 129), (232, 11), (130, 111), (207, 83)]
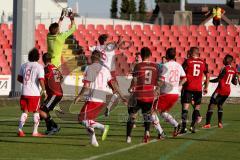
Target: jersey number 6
[(196, 70)]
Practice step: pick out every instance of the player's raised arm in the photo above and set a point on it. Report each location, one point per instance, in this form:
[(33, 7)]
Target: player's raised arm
[(61, 18), (71, 16), (73, 28)]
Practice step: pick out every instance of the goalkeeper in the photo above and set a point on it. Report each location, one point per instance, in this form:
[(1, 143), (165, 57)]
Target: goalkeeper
[(56, 39)]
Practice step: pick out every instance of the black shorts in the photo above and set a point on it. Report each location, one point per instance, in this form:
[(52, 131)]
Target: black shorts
[(218, 99), (50, 103), (188, 96), (182, 93), (144, 106), (217, 22)]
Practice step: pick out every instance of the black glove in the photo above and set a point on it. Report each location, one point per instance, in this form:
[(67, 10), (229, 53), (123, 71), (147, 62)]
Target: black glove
[(62, 15), (71, 16)]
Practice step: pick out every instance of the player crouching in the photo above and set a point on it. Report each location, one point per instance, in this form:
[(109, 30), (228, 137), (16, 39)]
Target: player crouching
[(227, 76), (95, 86), (31, 75), (53, 80)]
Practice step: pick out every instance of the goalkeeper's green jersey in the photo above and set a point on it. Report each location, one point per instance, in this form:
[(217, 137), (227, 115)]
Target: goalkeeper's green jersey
[(55, 44)]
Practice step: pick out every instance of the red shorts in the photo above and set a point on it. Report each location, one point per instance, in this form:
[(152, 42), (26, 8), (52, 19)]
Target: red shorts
[(30, 103), (90, 110), (166, 102)]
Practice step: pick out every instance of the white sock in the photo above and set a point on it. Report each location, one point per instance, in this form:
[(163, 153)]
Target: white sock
[(113, 99), (92, 124), (91, 133), (156, 123), (169, 119), (98, 125), (93, 138), (22, 121), (36, 119)]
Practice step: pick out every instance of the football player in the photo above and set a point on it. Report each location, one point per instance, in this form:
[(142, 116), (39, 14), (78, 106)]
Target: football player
[(56, 39), (31, 75), (96, 79), (172, 76), (53, 80), (227, 75), (143, 86), (195, 68), (108, 60)]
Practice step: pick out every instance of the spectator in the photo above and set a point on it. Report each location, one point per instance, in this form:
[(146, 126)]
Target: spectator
[(3, 17), (217, 13)]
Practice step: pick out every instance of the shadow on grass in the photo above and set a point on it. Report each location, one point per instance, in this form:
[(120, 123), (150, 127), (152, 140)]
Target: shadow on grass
[(45, 143), (204, 140)]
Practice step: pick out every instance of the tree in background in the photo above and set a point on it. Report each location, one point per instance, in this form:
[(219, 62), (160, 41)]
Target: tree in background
[(230, 3), (124, 14), (114, 9), (142, 10), (132, 9)]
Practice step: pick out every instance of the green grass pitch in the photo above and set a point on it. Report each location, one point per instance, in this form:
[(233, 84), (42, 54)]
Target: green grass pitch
[(72, 142)]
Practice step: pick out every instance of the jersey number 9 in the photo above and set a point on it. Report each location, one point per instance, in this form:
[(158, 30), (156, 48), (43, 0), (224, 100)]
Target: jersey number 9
[(148, 77)]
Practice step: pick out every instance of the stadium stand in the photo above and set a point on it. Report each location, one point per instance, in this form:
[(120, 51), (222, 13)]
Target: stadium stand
[(214, 43)]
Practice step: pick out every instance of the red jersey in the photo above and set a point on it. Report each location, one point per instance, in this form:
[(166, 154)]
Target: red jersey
[(53, 78), (146, 74), (194, 68), (225, 79)]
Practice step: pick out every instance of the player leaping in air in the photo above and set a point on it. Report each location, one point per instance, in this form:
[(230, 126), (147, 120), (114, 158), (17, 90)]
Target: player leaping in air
[(227, 76), (31, 75), (95, 82), (56, 39), (108, 60), (195, 68)]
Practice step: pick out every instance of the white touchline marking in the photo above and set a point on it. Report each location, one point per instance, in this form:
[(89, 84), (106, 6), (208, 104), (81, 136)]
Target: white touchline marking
[(10, 119), (120, 150), (185, 145), (34, 159)]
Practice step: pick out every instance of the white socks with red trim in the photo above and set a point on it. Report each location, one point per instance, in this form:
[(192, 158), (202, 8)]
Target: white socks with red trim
[(167, 117), (22, 121), (36, 119), (155, 121), (93, 124)]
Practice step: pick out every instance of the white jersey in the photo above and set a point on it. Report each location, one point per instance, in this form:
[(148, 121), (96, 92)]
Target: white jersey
[(31, 72), (171, 72), (108, 57), (98, 76)]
